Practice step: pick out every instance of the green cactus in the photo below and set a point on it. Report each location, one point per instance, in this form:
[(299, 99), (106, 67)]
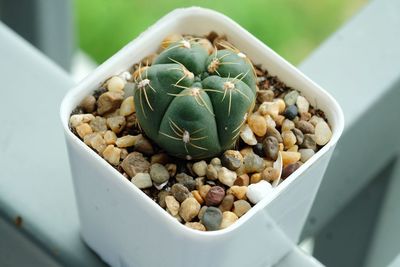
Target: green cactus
[(193, 104)]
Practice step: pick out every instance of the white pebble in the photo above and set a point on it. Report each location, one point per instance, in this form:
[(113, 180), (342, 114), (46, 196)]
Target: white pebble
[(127, 107), (256, 192), (142, 180), (115, 84), (126, 75), (323, 133), (227, 177), (306, 154), (78, 119), (248, 136), (302, 104)]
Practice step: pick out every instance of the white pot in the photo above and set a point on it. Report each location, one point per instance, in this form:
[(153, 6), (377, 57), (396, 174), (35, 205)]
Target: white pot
[(126, 228)]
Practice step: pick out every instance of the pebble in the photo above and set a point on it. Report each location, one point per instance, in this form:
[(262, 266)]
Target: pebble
[(270, 174), (96, 141), (215, 196), (238, 191), (294, 148), (259, 150), (98, 124), (289, 169), (242, 180), (180, 192), (279, 120), (203, 190), (115, 84), (289, 139), (127, 107), (256, 192), (109, 102), (257, 124), (161, 158), (142, 180), (306, 154), (323, 133), (211, 172), (232, 159), (112, 154), (291, 97), (287, 125), (201, 212), (271, 147), (131, 121), (189, 209), (255, 178), (186, 180), (83, 130), (88, 104), (171, 168), (248, 136), (161, 198), (172, 205), (253, 163), (196, 226), (78, 119), (158, 173), (291, 112), (240, 207), (200, 168), (116, 124), (299, 136), (305, 116), (110, 137), (302, 104), (226, 176), (315, 119), (135, 163), (197, 196), (212, 218), (227, 203), (270, 122), (305, 126), (216, 162), (275, 133), (228, 218), (124, 153), (281, 104), (290, 157), (143, 145), (269, 108), (265, 96), (126, 141), (309, 142)]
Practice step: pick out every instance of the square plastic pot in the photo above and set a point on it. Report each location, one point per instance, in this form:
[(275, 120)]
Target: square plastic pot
[(126, 228)]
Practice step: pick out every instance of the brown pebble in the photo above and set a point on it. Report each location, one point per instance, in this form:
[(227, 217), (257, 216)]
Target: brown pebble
[(305, 126), (201, 212), (199, 183), (232, 159), (309, 142), (265, 96), (242, 180), (88, 104), (109, 102), (299, 136), (143, 145), (211, 172), (135, 163), (189, 209), (197, 196), (227, 203), (172, 205), (271, 147), (255, 178), (238, 191), (171, 168), (161, 198), (112, 154), (228, 218), (270, 174), (161, 158), (180, 192), (214, 196), (240, 207), (196, 226), (290, 157), (275, 133), (98, 124), (116, 124), (289, 169), (83, 130)]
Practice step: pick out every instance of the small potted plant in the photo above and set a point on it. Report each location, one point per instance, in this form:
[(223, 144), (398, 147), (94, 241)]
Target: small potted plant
[(196, 144)]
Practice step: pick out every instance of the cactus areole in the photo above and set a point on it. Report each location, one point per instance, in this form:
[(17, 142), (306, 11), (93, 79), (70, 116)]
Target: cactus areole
[(192, 103)]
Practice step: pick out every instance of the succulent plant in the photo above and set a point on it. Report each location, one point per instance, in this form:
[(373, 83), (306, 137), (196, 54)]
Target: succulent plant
[(192, 103)]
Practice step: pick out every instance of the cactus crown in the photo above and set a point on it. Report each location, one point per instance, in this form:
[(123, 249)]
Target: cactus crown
[(193, 101)]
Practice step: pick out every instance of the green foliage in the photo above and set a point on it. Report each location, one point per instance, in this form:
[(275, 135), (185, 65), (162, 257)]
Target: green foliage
[(193, 104), (292, 28)]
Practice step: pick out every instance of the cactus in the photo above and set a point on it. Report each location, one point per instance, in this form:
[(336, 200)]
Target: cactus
[(192, 103)]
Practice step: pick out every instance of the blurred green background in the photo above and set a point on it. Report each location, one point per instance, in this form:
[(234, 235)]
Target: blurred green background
[(293, 28)]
